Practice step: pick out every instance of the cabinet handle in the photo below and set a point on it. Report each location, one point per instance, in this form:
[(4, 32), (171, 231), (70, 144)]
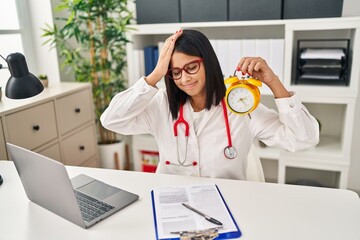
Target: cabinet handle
[(77, 110), (82, 147), (36, 127)]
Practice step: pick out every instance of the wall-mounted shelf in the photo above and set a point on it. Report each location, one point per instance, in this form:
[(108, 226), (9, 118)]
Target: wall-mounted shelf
[(334, 106)]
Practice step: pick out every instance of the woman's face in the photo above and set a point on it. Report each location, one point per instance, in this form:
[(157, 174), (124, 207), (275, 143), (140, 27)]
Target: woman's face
[(191, 84)]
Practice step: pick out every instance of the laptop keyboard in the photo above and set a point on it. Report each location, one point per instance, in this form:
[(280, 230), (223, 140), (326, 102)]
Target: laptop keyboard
[(90, 207)]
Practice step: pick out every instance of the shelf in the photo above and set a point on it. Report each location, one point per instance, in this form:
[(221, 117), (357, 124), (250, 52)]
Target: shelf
[(291, 24), (328, 148), (333, 106), (328, 151)]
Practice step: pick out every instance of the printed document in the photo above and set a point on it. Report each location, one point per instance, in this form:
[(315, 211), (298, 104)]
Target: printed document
[(171, 216), (311, 53)]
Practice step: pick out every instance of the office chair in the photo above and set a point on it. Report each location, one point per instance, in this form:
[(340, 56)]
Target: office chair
[(254, 169)]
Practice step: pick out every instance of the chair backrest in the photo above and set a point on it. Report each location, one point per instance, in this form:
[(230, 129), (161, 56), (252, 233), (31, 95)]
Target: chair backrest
[(254, 169)]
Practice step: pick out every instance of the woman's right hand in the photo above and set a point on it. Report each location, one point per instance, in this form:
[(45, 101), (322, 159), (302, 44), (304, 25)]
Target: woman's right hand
[(164, 60)]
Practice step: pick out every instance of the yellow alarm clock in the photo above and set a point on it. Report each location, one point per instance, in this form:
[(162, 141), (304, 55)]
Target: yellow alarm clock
[(243, 94)]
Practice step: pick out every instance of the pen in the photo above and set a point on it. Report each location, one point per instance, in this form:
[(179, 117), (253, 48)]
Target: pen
[(210, 219)]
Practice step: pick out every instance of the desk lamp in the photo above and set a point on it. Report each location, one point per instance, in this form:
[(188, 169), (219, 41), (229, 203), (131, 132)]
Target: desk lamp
[(21, 84)]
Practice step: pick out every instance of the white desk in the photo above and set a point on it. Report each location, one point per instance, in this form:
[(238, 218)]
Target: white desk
[(262, 210)]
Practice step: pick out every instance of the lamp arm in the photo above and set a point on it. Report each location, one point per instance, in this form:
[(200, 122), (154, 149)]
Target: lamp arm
[(1, 66)]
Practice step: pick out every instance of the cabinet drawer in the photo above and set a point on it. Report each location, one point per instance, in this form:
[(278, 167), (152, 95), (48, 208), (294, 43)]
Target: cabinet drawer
[(52, 152), (74, 110), (32, 127), (3, 154), (80, 147)]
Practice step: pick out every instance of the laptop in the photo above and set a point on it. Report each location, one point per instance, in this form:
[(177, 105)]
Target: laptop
[(82, 200)]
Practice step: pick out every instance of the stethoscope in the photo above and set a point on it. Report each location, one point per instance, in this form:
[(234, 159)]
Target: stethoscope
[(229, 151)]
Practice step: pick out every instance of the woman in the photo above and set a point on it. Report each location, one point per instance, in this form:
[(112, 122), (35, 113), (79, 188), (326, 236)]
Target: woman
[(195, 87)]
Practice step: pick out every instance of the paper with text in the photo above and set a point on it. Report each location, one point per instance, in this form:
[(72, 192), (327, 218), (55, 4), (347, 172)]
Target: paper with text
[(171, 216)]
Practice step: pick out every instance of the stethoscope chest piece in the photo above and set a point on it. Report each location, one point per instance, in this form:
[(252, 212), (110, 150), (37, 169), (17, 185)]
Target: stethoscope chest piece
[(230, 152)]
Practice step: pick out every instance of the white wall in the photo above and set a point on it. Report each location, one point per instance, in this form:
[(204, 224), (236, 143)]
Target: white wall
[(46, 60), (351, 8)]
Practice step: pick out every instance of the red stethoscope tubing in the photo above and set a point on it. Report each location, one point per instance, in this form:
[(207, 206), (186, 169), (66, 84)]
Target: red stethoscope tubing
[(226, 123), (183, 121)]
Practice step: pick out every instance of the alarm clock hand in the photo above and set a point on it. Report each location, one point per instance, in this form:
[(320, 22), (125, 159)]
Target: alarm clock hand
[(242, 100)]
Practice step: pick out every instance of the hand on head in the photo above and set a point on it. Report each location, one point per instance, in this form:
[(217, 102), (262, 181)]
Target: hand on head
[(164, 59)]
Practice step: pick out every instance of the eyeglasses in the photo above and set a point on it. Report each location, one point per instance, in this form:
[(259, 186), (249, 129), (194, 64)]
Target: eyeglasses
[(190, 68)]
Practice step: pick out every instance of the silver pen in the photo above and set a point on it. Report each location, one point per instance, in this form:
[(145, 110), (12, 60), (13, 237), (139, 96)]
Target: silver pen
[(207, 217)]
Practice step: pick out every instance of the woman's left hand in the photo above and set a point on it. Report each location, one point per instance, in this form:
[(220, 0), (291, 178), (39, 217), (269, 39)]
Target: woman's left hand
[(257, 68)]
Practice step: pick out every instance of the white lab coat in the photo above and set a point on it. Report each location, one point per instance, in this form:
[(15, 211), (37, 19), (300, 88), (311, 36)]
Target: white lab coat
[(143, 109)]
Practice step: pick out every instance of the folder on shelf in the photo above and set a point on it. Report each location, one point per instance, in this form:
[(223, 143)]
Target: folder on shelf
[(171, 218), (249, 47), (235, 54), (223, 56), (262, 49), (322, 53), (276, 61), (151, 54), (139, 67), (161, 83)]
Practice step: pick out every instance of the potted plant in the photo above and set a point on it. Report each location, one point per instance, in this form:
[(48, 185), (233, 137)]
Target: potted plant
[(44, 79), (99, 28)]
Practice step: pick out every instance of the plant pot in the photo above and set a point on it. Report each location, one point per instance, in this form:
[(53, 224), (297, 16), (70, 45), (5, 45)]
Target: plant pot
[(45, 82), (112, 156)]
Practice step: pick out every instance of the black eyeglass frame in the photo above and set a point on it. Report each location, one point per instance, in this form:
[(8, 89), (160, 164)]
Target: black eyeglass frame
[(199, 61)]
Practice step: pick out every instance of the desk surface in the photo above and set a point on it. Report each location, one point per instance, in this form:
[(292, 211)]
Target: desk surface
[(262, 210)]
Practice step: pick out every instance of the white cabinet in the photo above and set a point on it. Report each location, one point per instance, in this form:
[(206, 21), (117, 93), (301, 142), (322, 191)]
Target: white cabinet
[(3, 154), (32, 127), (58, 123), (74, 110), (333, 106)]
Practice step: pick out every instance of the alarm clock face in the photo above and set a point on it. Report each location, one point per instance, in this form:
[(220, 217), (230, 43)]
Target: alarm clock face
[(240, 100)]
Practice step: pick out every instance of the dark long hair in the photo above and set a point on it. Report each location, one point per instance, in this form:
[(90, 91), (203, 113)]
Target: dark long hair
[(195, 43)]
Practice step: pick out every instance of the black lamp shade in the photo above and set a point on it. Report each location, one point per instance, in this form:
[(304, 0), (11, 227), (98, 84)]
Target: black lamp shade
[(22, 83)]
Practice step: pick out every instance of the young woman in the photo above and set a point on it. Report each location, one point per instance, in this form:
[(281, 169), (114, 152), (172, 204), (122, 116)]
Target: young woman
[(194, 94)]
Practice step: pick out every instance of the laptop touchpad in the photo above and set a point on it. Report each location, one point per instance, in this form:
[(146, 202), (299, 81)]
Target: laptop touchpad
[(98, 190)]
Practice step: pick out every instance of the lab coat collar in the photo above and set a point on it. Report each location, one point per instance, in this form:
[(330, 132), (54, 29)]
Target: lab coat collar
[(206, 118)]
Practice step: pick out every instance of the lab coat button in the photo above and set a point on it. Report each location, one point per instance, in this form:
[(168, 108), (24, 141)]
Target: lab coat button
[(292, 105)]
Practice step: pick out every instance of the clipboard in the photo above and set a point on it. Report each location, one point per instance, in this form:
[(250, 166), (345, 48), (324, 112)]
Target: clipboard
[(172, 221)]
